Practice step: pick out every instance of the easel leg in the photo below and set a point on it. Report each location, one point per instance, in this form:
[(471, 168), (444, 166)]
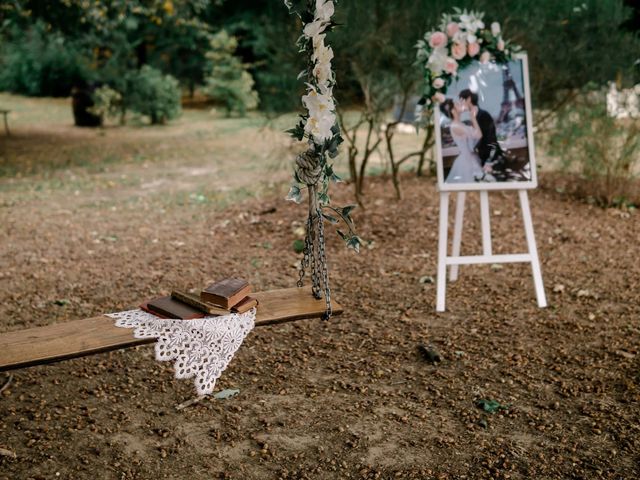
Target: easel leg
[(442, 251), (457, 234), (486, 223), (533, 250)]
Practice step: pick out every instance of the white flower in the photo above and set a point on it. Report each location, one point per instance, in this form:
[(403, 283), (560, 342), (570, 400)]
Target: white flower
[(471, 22), (314, 29), (437, 60), (438, 83), (321, 115), (495, 29), (324, 10), (460, 36), (471, 38), (321, 53), (500, 45)]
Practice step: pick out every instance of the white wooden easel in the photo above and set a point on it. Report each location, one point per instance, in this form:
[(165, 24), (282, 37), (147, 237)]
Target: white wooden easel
[(487, 255)]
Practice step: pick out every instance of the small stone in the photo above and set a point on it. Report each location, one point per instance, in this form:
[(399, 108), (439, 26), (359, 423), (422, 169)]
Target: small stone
[(426, 279), (558, 288)]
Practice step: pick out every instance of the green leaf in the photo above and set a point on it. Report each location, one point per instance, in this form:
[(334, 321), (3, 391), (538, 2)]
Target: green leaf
[(490, 406), (298, 246), (354, 242), (331, 219), (324, 199), (294, 194), (348, 209)]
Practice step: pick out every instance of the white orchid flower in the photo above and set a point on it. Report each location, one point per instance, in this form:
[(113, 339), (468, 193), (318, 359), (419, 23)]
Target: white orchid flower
[(324, 10), (314, 29)]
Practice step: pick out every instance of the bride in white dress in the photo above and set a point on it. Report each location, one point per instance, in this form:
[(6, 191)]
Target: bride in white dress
[(467, 167)]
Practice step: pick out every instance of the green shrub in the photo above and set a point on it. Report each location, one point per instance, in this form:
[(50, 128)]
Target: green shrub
[(151, 93), (38, 63), (228, 82), (107, 102), (602, 150)]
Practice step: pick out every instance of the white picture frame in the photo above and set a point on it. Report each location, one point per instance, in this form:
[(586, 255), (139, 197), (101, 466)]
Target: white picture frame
[(441, 154)]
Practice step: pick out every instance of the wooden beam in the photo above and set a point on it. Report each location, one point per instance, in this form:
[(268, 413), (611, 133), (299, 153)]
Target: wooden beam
[(77, 338)]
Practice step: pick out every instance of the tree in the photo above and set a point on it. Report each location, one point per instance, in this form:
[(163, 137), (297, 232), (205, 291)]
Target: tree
[(228, 81)]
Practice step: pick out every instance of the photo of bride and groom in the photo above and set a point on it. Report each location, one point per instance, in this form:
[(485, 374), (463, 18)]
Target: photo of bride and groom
[(483, 135)]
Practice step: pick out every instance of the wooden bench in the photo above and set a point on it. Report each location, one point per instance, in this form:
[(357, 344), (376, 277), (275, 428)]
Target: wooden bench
[(77, 338), (6, 121)]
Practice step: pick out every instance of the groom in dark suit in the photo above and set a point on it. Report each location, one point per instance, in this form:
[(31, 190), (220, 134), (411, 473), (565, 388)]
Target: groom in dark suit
[(487, 148)]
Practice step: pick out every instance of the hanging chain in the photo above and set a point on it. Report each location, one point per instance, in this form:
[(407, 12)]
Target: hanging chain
[(323, 264), (314, 256), (304, 263)]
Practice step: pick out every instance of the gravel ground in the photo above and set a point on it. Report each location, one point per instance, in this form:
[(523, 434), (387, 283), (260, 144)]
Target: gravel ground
[(349, 398)]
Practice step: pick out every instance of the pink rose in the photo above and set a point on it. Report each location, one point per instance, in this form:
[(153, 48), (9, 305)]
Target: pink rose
[(485, 57), (438, 83), (438, 98), (438, 39), (451, 66), (473, 49), (452, 29), (458, 50), (500, 45)]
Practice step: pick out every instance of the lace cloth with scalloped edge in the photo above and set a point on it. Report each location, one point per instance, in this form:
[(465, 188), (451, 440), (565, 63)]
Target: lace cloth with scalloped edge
[(200, 348)]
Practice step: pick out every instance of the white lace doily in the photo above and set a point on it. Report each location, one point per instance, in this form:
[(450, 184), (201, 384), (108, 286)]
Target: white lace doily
[(201, 348)]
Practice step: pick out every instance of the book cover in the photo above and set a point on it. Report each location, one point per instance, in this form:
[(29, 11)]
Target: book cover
[(246, 304), (226, 293), (196, 302), (171, 308)]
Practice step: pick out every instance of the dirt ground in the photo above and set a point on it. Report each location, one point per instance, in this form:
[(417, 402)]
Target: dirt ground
[(348, 398)]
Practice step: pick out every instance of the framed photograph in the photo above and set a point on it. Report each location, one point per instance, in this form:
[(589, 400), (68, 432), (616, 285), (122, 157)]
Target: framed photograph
[(484, 135)]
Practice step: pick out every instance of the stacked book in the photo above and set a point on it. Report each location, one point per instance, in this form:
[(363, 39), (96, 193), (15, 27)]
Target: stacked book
[(230, 295)]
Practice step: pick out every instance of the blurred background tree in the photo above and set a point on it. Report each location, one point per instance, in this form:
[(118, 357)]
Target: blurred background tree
[(50, 47)]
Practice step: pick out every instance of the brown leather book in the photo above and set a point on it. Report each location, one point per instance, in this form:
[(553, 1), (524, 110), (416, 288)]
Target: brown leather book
[(246, 304), (145, 306), (195, 301), (171, 308), (226, 293)]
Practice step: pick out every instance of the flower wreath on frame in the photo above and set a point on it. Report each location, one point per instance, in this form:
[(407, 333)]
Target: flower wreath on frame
[(461, 39)]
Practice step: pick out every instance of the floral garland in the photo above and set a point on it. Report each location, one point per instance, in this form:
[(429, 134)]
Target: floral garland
[(460, 39), (320, 127)]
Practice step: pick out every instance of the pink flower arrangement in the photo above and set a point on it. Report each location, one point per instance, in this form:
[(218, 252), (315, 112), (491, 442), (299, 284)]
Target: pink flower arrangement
[(438, 83), (485, 57), (458, 50), (500, 45), (452, 29), (438, 39), (473, 49), (451, 66)]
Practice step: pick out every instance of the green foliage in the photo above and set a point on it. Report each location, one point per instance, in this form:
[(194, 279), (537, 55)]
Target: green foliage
[(37, 62), (107, 102), (153, 94), (229, 82), (604, 151)]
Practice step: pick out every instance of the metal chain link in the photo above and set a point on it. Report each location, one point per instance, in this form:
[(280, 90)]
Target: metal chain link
[(323, 263), (304, 263), (314, 256)]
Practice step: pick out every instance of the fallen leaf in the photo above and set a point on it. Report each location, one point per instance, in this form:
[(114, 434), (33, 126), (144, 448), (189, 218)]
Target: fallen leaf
[(224, 394)]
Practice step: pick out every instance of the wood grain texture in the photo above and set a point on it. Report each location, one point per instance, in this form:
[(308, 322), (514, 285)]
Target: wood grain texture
[(77, 338)]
